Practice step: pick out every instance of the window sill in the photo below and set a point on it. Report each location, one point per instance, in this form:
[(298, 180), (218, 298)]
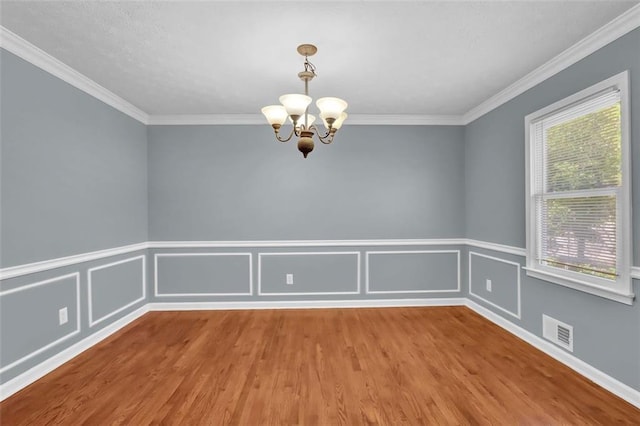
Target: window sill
[(582, 286)]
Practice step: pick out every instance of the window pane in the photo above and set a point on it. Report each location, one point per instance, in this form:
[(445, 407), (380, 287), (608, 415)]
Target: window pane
[(579, 234), (584, 152)]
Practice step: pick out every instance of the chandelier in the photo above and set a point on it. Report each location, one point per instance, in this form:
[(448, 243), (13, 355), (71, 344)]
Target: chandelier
[(295, 107)]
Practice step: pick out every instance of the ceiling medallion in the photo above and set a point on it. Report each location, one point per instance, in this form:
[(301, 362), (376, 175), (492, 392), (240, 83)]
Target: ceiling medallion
[(295, 107)]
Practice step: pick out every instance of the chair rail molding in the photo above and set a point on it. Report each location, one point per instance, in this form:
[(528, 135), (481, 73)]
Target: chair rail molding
[(45, 265)]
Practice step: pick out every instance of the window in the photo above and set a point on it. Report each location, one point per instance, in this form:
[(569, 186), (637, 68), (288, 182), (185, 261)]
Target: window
[(578, 191)]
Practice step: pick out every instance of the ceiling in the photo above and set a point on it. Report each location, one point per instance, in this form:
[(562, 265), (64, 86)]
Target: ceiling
[(383, 57)]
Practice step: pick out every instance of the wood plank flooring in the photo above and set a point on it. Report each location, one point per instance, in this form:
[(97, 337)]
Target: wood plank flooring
[(389, 366)]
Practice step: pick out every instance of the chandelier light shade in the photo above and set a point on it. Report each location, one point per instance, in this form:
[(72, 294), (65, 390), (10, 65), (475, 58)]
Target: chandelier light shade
[(336, 124), (276, 114), (331, 107), (295, 107), (295, 104)]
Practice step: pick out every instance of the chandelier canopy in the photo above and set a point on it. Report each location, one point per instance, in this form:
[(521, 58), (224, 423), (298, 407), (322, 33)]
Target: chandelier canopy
[(295, 107)]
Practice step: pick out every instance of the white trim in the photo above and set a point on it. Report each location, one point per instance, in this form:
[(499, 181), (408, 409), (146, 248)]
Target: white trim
[(306, 304), (613, 30), (614, 386), (366, 269), (206, 119), (25, 379), (310, 293), (35, 56), (517, 314), (258, 119), (579, 285), (156, 291), (30, 355), (635, 272), (620, 290), (306, 243), (404, 120), (517, 251), (117, 311), (30, 268)]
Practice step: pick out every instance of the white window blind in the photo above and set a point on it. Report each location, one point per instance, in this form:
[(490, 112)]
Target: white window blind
[(577, 186)]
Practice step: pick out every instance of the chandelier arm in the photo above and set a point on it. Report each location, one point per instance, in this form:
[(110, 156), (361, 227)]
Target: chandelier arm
[(315, 129), (288, 138), (327, 138), (326, 141)]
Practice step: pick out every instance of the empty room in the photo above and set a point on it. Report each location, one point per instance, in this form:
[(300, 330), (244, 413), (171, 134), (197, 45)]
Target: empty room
[(319, 213)]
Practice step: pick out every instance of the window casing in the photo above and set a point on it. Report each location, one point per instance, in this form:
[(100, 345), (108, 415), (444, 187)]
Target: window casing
[(578, 191)]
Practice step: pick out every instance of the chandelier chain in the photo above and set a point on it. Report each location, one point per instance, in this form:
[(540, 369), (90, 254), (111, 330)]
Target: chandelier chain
[(309, 67)]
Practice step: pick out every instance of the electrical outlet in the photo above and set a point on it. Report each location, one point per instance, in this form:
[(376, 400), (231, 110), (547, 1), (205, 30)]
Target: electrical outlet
[(63, 315), (289, 279), (488, 285)]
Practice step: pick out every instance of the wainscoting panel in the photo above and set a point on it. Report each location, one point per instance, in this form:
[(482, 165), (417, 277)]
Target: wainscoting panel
[(203, 274), (416, 271), (114, 287), (504, 291), (311, 273), (29, 318)]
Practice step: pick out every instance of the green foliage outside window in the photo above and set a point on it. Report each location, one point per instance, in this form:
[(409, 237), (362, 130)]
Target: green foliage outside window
[(583, 154)]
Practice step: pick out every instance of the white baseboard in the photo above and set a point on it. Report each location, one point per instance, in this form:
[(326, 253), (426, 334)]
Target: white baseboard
[(614, 386), (25, 379), (305, 304)]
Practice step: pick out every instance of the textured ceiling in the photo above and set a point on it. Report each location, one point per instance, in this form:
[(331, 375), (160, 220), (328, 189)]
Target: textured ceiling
[(416, 57)]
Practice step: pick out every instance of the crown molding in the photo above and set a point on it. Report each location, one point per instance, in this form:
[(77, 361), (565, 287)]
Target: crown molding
[(405, 120), (615, 29), (36, 56), (205, 119), (258, 119)]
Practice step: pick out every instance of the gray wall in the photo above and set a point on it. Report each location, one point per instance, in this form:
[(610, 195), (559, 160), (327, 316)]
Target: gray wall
[(312, 273), (238, 183), (494, 145), (29, 307), (413, 271), (607, 334), (203, 274), (73, 170), (114, 286), (230, 183), (73, 179)]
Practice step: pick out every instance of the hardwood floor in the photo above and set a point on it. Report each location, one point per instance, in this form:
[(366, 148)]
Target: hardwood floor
[(315, 367)]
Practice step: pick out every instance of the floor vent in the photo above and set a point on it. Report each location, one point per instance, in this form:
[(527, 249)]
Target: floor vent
[(558, 332)]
